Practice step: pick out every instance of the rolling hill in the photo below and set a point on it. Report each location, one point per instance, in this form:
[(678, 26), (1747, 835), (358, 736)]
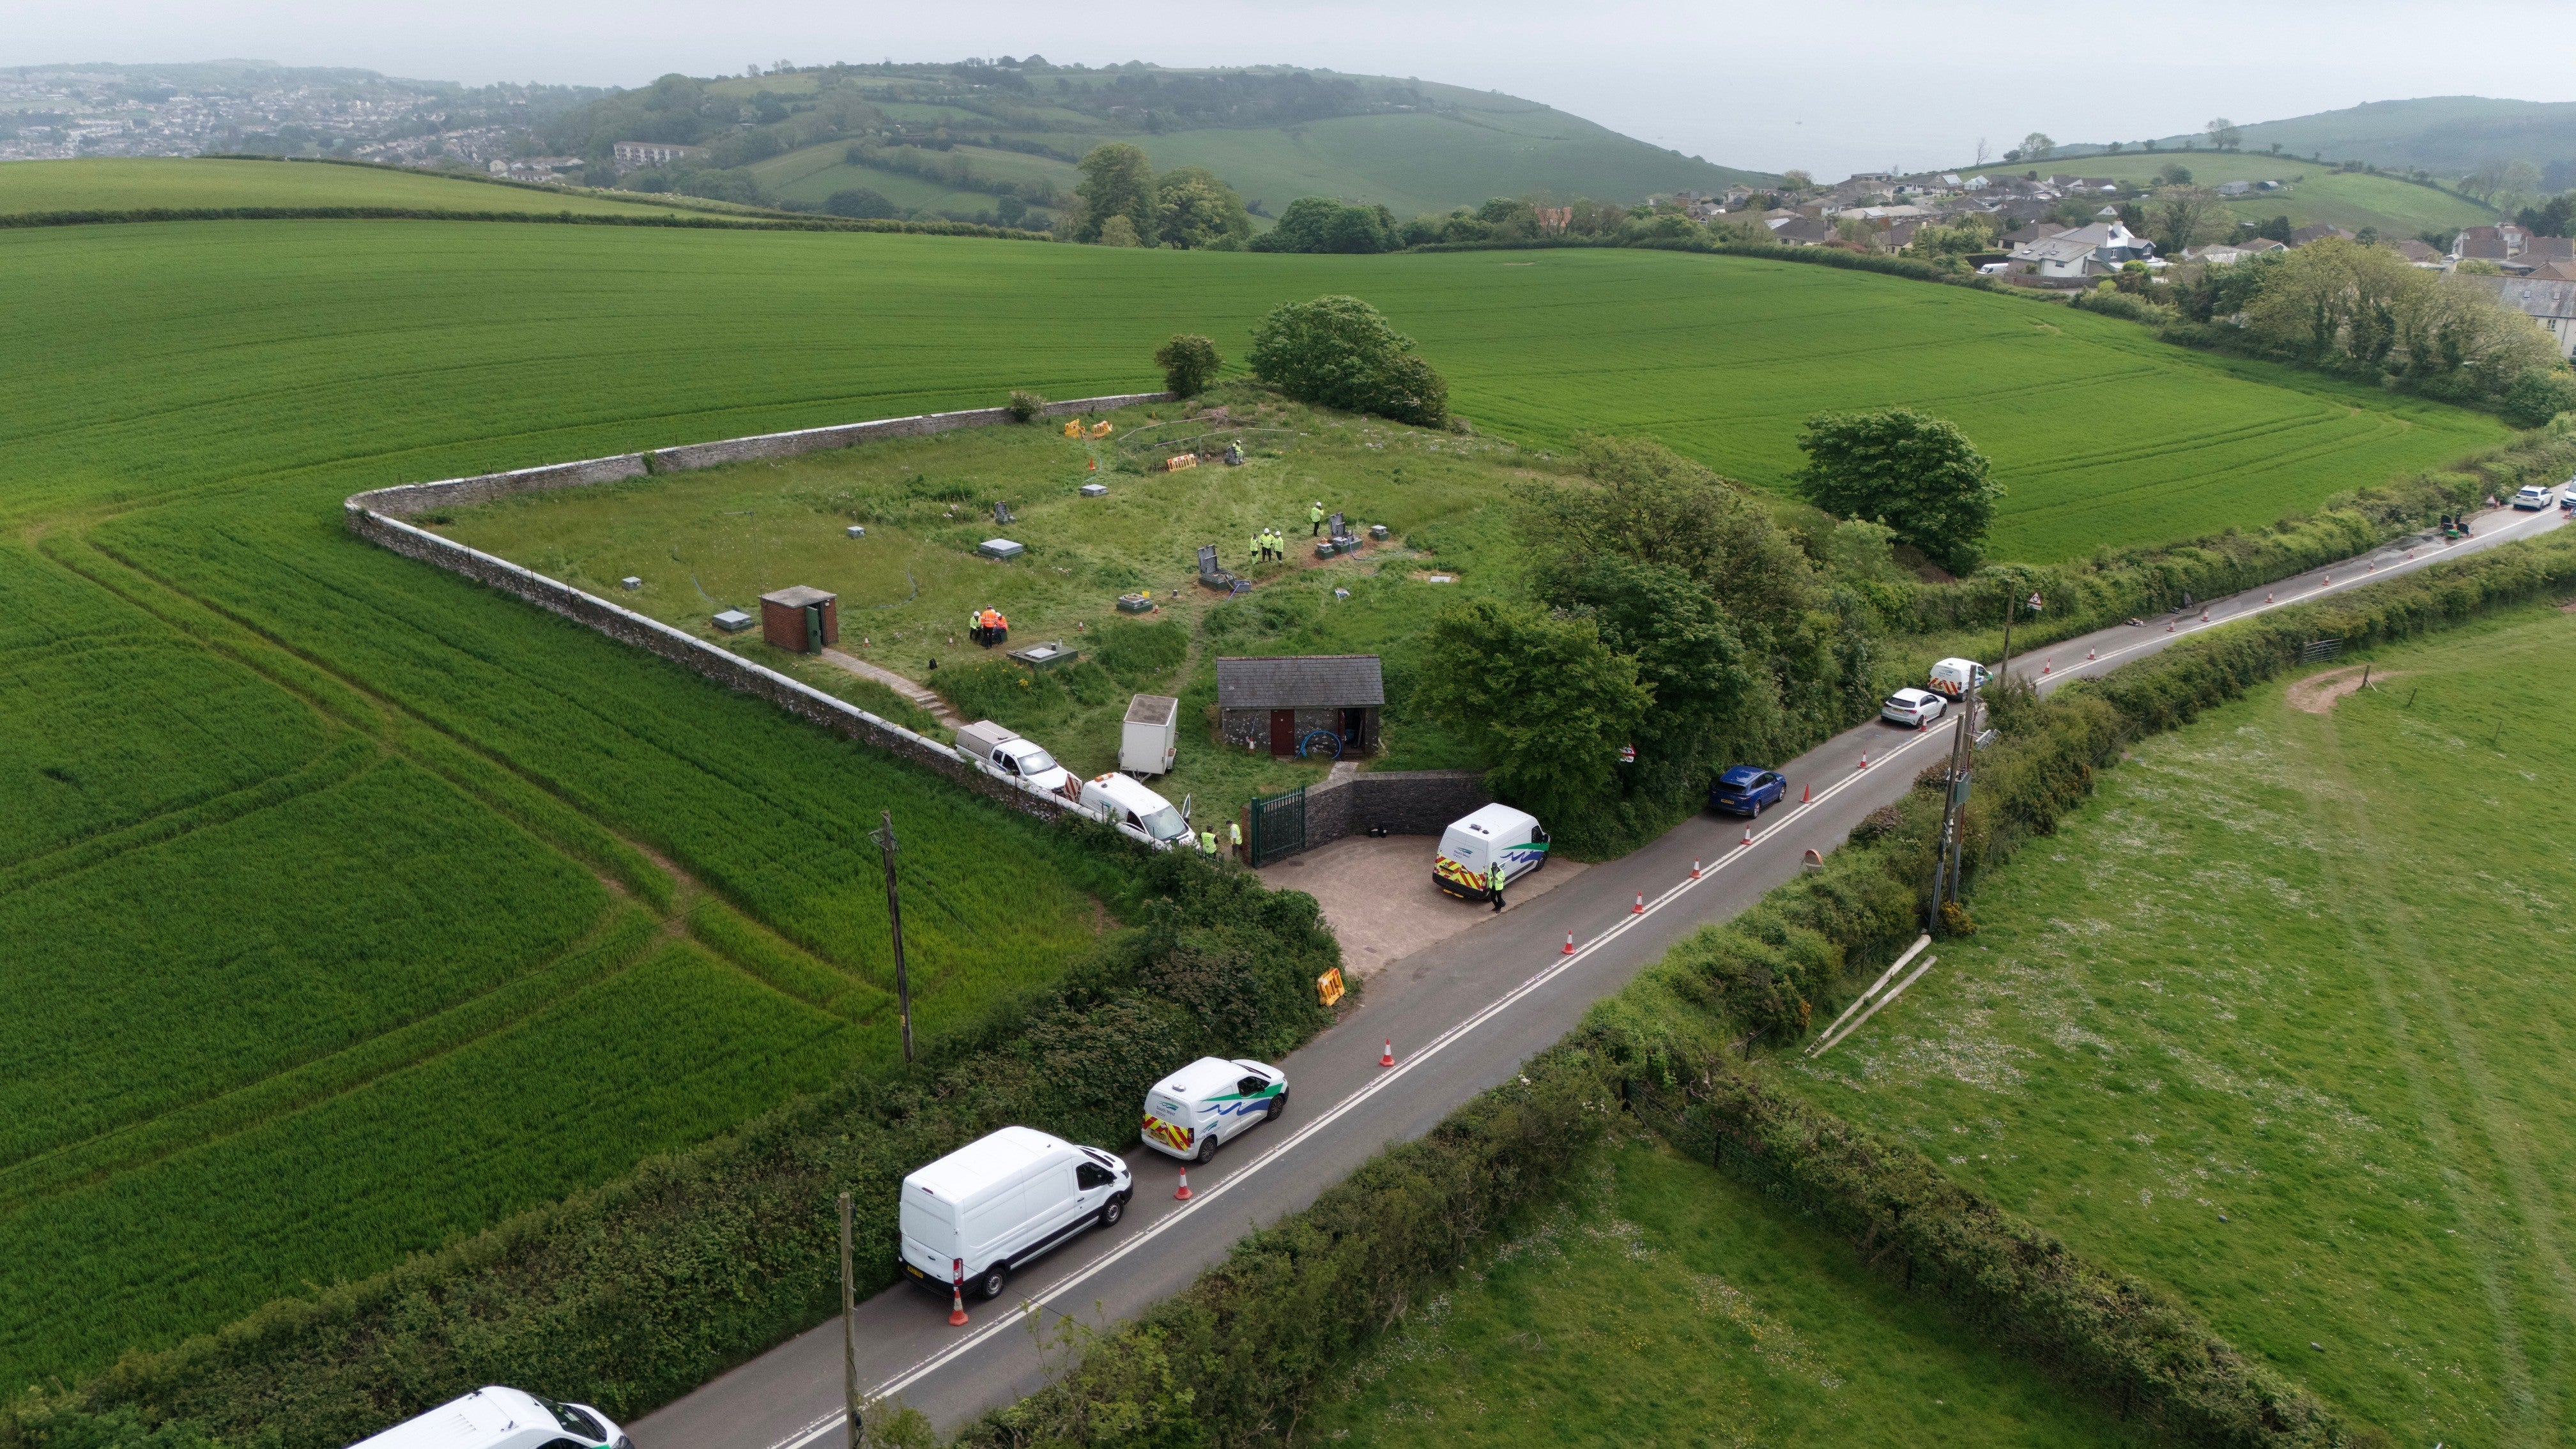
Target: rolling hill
[(2446, 135), (2311, 193), (1273, 133)]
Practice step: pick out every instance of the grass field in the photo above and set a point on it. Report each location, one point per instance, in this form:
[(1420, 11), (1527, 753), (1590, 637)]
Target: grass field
[(719, 539), (815, 172), (2281, 1020), (1669, 1305), (136, 183), (2314, 193), (189, 402)]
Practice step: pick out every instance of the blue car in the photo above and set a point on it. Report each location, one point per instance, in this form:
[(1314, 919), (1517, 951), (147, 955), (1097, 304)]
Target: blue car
[(1744, 790)]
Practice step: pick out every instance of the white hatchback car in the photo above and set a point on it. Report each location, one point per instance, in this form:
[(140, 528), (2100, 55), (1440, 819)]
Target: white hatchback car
[(1912, 708), (2533, 496)]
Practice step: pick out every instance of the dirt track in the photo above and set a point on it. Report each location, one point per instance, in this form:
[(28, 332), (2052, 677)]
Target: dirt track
[(2318, 692)]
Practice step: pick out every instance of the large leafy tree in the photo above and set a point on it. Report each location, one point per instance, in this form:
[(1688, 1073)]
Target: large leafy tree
[(1340, 352), (1916, 473), (1195, 211), (1321, 224), (1543, 699), (1117, 180)]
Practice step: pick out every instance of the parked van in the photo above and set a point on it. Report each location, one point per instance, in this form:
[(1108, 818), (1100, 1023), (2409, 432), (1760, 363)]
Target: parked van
[(1469, 848), (997, 751), (1950, 677), (1136, 811), (1001, 1202), (1190, 1113), (497, 1418)]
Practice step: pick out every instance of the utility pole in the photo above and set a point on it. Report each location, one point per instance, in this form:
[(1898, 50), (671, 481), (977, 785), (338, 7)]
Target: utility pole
[(894, 917), (849, 1332), (1945, 858)]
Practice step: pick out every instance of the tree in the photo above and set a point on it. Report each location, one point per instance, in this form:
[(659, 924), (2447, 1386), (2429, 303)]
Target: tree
[(2185, 216), (1118, 231), (1799, 180), (1117, 181), (859, 201), (2037, 146), (1338, 351), (2223, 135), (2174, 173), (1189, 363), (2537, 396), (1916, 473), (1644, 502), (2551, 218), (1543, 699), (1321, 224), (1195, 211)]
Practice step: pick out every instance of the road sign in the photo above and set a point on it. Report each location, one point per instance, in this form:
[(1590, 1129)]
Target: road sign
[(2034, 601)]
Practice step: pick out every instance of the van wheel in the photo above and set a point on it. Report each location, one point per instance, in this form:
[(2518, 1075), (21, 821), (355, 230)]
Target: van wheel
[(1207, 1149), (1278, 1105), (995, 1279), (1112, 1210)]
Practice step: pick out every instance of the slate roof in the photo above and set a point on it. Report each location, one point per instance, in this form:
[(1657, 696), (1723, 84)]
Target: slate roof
[(2548, 301), (1300, 681)]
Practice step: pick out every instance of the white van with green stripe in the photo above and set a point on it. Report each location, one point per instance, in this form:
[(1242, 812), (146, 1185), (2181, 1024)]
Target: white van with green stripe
[(1192, 1112)]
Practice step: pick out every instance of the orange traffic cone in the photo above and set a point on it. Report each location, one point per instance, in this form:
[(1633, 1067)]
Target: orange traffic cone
[(1184, 1194), (2204, 616), (1095, 465), (2049, 667), (1695, 864), (2168, 626), (1387, 1057), (1748, 840), (2329, 580), (2089, 654), (1864, 759), (1569, 943), (1639, 908), (1806, 794), (2267, 598), (957, 1304)]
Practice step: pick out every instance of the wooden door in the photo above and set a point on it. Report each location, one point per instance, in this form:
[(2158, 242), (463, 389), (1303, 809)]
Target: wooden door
[(1283, 732)]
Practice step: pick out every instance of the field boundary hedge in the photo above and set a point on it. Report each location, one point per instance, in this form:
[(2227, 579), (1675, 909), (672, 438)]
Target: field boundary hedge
[(1240, 1354), (637, 1291), (377, 516), (106, 217)]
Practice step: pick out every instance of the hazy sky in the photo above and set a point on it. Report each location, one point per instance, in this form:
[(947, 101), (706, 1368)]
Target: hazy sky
[(1850, 85)]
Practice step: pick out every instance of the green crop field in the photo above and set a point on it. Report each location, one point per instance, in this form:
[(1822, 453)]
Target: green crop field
[(2281, 1020), (371, 816), (1667, 1304), (139, 183), (2312, 193)]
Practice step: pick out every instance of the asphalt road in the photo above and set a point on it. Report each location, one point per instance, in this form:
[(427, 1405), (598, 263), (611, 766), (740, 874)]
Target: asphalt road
[(1462, 1016)]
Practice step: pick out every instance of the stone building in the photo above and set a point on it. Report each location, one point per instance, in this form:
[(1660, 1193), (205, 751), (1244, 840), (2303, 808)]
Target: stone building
[(1275, 703)]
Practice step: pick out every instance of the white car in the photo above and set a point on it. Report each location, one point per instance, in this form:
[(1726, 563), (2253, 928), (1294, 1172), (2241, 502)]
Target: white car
[(1192, 1112), (1912, 708), (2533, 496), (493, 1417)]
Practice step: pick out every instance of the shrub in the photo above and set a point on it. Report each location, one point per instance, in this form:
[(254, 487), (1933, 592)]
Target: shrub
[(1189, 363), (1340, 352), (859, 201), (1916, 473), (2537, 396), (1025, 406)]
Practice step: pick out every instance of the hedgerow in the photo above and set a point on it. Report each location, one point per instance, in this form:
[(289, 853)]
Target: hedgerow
[(1237, 1356), (104, 217), (634, 1293)]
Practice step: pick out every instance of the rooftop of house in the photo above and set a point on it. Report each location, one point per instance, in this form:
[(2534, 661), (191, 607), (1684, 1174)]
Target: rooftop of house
[(1300, 681)]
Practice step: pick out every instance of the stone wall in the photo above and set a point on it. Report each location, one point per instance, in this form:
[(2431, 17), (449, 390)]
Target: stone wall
[(409, 499), (1404, 802)]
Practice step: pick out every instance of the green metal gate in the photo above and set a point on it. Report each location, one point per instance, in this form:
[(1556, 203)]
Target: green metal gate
[(1278, 826)]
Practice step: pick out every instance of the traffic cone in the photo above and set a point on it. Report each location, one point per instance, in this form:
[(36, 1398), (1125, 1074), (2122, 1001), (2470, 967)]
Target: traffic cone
[(2048, 667), (1695, 863), (1806, 794), (2267, 598), (1748, 840), (1184, 1194), (1569, 943), (2410, 553), (2169, 626), (1095, 465), (2329, 580), (957, 1304), (1387, 1058), (1639, 908), (1864, 759), (2204, 616), (2374, 568), (2090, 655)]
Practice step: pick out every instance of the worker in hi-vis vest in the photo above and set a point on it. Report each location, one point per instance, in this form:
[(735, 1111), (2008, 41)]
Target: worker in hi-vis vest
[(1494, 881), (1234, 830), (1315, 518)]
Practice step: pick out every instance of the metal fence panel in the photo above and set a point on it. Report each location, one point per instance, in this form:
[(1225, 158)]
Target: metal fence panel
[(1278, 826)]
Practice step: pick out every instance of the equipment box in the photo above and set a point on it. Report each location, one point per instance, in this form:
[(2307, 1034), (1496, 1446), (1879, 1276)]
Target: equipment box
[(1151, 737)]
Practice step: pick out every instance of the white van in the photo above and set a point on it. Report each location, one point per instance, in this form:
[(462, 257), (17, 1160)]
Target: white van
[(1469, 847), (497, 1418), (1001, 1202), (1136, 811), (1950, 677), (996, 751), (1194, 1110)]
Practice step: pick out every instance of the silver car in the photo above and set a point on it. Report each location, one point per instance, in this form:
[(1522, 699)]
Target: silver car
[(1912, 708)]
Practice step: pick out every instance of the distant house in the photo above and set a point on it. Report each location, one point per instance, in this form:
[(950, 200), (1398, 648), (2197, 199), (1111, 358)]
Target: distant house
[(2489, 243), (636, 155), (2552, 304), (2087, 251), (1801, 231), (2418, 253), (2030, 232), (2318, 232), (2554, 272), (1278, 702), (2234, 188)]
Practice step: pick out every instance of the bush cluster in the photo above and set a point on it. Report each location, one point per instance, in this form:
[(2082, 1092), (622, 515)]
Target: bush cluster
[(636, 1292)]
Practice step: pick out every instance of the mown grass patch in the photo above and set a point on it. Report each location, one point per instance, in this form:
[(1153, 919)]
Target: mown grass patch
[(2275, 1022), (1664, 1303)]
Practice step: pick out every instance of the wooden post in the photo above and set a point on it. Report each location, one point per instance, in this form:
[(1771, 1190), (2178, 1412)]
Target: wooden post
[(849, 1332), (894, 919)]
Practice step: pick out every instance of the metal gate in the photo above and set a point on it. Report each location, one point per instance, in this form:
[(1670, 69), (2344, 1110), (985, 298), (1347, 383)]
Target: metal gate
[(1278, 826), (2316, 649)]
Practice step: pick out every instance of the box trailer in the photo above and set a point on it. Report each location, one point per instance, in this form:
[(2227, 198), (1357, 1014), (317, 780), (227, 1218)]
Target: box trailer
[(1150, 739)]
